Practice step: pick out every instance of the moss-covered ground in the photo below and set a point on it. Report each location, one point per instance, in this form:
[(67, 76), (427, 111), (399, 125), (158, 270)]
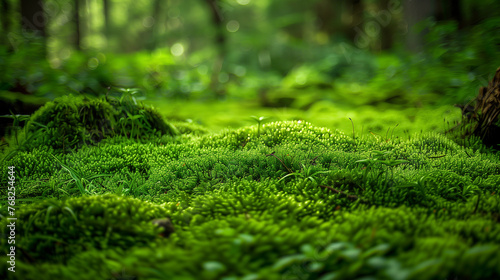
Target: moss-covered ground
[(302, 195)]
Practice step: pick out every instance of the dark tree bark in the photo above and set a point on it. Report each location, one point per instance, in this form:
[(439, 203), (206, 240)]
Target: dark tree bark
[(473, 14), (354, 10), (415, 12), (218, 20), (5, 16), (450, 10), (386, 20), (456, 12), (76, 15), (107, 20), (4, 13), (153, 35), (33, 20), (328, 14), (220, 41)]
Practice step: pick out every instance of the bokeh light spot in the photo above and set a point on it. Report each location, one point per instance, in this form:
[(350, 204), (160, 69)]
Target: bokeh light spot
[(264, 58), (233, 26), (93, 63), (174, 23), (148, 22), (55, 63), (101, 57), (223, 77), (64, 53), (202, 69), (177, 49), (240, 71)]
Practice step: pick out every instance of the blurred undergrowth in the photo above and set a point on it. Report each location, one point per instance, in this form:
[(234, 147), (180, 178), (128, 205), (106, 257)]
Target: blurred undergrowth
[(451, 67)]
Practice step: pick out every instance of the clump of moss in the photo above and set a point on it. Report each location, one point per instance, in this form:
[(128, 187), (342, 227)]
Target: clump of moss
[(70, 122), (55, 230), (190, 128)]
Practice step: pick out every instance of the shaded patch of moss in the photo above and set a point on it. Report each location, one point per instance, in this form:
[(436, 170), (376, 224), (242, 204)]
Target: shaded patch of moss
[(55, 230), (69, 122)]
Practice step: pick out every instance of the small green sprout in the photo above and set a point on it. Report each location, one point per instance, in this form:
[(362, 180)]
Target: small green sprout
[(306, 174), (84, 184), (421, 185), (353, 135), (259, 121), (377, 159)]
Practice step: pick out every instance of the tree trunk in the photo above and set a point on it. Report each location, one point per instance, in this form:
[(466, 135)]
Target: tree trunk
[(107, 20), (153, 35), (218, 20), (220, 41), (456, 13), (328, 14), (386, 20), (415, 12), (76, 16), (5, 21), (354, 18), (33, 21)]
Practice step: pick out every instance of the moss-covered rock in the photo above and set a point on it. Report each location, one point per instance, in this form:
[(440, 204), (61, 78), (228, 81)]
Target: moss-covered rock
[(70, 122)]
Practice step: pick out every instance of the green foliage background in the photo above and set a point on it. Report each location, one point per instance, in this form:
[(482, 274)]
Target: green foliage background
[(306, 156)]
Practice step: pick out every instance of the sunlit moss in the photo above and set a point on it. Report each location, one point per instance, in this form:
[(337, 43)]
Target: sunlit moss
[(365, 204)]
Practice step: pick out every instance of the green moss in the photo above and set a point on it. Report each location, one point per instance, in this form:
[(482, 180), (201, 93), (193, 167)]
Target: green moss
[(70, 122), (55, 230), (289, 198), (190, 128)]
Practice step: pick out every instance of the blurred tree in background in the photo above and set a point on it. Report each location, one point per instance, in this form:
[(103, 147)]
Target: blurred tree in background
[(274, 50)]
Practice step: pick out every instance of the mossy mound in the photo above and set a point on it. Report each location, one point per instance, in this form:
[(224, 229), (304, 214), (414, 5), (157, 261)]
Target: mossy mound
[(55, 230), (69, 122), (190, 128), (286, 200)]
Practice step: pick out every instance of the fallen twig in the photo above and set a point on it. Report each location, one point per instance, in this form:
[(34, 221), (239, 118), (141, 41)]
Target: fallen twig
[(350, 196), (272, 154)]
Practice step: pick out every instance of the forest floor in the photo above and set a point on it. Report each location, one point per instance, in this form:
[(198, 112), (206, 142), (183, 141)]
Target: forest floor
[(300, 194)]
